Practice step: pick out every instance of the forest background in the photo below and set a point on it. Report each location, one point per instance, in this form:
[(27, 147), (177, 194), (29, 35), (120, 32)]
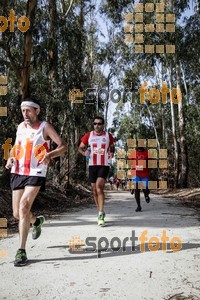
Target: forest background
[(80, 44)]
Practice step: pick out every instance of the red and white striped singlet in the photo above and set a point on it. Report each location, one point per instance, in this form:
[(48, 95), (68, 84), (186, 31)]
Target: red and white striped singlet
[(99, 149)]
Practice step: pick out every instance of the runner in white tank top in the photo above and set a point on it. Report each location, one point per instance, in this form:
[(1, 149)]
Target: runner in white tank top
[(29, 144), (29, 159)]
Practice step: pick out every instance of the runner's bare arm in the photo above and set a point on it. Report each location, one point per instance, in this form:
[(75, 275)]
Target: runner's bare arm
[(50, 133), (11, 158), (81, 149), (112, 150)]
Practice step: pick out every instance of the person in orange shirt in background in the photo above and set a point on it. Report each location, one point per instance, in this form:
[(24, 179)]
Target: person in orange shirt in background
[(117, 183), (141, 175)]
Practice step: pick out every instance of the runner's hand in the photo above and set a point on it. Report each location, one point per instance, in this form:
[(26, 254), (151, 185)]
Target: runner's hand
[(111, 155), (10, 162), (45, 160), (87, 153)]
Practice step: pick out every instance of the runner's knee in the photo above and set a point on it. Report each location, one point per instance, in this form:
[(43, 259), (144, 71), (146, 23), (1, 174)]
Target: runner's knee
[(94, 193), (94, 190), (16, 215), (24, 207), (99, 190)]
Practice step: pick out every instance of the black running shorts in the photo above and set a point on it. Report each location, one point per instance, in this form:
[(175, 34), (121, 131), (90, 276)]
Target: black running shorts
[(98, 171), (18, 182)]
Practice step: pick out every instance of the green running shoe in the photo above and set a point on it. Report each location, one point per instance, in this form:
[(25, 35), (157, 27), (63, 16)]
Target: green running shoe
[(101, 221), (103, 213), (37, 229), (20, 259)]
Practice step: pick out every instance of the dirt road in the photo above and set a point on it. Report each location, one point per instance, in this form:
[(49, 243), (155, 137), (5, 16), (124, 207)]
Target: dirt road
[(120, 267)]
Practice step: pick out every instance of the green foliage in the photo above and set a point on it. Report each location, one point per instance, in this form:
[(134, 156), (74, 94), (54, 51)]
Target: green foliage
[(67, 53)]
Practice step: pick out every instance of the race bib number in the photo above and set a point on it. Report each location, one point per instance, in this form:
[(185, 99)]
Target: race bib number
[(100, 151)]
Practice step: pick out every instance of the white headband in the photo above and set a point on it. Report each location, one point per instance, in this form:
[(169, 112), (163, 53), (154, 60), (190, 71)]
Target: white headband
[(30, 103)]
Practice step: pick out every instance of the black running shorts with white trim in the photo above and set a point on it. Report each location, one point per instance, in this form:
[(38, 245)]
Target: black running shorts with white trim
[(98, 171), (18, 182)]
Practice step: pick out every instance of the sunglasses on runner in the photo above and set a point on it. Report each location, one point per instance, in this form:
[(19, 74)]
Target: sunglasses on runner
[(98, 124)]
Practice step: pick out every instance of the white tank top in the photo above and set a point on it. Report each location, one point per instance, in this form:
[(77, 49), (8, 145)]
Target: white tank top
[(99, 149), (29, 147)]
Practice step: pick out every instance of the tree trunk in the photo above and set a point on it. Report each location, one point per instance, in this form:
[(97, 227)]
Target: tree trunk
[(183, 176), (185, 84), (52, 75), (24, 75), (28, 43), (107, 100), (164, 129), (176, 154), (53, 60)]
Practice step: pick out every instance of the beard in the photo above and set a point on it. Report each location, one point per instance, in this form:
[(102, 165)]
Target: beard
[(30, 121)]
